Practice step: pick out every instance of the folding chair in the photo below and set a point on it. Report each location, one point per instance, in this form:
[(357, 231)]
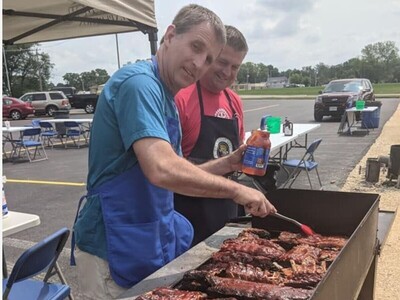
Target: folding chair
[(30, 141), (49, 134), (36, 123), (74, 132), (306, 163), (42, 257)]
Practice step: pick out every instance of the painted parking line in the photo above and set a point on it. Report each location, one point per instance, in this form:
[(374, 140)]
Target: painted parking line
[(46, 182), (259, 108), (25, 245)]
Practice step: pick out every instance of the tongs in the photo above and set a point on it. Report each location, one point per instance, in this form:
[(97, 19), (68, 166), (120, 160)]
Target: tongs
[(306, 229)]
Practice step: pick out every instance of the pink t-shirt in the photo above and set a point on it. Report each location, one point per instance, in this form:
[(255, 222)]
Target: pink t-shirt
[(216, 105)]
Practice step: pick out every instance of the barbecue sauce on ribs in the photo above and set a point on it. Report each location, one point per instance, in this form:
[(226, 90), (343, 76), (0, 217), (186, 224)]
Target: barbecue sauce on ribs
[(256, 266)]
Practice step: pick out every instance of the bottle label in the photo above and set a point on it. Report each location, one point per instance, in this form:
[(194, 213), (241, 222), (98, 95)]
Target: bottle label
[(5, 208), (256, 157)]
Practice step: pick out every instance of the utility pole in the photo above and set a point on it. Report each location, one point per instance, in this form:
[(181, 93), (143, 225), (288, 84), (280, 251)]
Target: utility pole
[(83, 86), (39, 67)]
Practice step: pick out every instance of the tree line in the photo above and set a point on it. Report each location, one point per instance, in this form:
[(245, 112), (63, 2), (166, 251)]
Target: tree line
[(27, 69), (379, 62)]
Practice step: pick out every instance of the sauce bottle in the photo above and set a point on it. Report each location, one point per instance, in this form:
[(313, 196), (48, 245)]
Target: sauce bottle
[(287, 127), (5, 208), (255, 159)]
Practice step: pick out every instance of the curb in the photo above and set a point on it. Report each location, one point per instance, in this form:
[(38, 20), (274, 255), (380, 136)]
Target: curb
[(302, 97)]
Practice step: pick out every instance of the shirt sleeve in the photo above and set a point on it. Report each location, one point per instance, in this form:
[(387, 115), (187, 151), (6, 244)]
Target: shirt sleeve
[(238, 105), (139, 106)]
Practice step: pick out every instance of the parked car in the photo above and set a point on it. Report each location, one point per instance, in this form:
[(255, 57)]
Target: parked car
[(341, 94), (16, 109), (85, 100), (67, 90), (47, 102)]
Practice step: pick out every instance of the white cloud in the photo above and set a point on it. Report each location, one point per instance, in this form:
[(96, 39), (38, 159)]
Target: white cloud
[(285, 33)]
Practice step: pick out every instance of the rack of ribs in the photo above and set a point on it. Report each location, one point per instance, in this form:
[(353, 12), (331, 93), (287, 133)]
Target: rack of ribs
[(253, 247), (254, 290), (165, 293), (316, 240)]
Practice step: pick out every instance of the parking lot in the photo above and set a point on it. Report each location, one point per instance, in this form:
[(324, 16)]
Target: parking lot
[(52, 188)]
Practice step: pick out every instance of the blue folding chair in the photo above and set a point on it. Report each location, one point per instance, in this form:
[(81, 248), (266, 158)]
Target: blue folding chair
[(49, 134), (42, 257), (306, 163), (74, 132), (30, 144)]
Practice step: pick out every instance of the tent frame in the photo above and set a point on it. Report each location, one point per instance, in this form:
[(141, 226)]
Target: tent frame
[(74, 17)]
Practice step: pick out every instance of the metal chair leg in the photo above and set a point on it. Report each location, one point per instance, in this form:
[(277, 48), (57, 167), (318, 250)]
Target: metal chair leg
[(62, 278), (309, 179)]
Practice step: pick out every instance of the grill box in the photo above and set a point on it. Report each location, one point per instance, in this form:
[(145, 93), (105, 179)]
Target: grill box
[(356, 215)]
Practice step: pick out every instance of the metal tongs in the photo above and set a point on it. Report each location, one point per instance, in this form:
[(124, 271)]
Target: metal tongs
[(306, 229)]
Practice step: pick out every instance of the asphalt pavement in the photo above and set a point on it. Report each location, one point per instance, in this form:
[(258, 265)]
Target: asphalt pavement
[(52, 188)]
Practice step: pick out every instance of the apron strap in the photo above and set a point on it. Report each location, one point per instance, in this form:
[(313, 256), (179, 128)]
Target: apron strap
[(72, 258)]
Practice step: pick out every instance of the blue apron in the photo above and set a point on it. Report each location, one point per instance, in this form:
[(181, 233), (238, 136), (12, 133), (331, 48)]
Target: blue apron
[(143, 231)]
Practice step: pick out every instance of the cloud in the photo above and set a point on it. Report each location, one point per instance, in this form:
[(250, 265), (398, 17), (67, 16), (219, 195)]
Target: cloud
[(285, 33)]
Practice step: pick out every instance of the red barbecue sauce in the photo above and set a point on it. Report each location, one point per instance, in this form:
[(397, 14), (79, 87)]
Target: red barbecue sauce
[(255, 159)]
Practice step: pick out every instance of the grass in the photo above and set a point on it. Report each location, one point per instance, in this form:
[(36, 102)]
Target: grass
[(380, 88)]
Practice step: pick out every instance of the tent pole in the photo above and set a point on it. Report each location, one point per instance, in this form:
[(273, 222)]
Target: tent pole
[(116, 42), (153, 41)]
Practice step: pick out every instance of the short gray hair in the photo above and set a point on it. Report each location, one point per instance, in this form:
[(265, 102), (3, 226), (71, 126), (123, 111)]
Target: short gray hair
[(192, 15), (235, 39)]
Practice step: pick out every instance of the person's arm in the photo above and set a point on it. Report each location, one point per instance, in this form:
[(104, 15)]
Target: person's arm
[(226, 164), (165, 169)]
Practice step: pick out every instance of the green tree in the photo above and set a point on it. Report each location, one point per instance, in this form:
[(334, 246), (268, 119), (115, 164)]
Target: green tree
[(72, 79), (381, 61), (85, 80), (28, 69)]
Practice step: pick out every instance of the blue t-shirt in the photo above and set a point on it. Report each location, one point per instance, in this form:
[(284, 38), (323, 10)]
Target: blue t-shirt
[(133, 105)]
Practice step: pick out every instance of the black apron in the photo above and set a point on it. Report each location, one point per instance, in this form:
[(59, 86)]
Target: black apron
[(217, 137)]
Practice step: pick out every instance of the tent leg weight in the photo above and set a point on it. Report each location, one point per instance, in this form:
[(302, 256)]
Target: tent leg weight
[(372, 170)]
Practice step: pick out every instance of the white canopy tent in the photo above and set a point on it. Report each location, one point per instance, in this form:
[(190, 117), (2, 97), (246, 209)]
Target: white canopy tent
[(48, 20)]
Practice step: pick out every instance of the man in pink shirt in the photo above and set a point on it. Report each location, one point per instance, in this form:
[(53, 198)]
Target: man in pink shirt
[(211, 116)]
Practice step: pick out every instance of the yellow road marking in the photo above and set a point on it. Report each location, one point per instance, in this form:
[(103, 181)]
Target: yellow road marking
[(46, 182)]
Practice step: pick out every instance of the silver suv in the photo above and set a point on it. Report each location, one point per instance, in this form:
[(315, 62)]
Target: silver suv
[(47, 102)]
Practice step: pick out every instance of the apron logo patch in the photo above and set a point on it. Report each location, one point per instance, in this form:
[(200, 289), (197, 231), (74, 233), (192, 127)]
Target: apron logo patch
[(222, 113), (222, 147)]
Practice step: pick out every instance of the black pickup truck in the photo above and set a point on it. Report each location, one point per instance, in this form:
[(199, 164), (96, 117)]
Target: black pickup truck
[(86, 101)]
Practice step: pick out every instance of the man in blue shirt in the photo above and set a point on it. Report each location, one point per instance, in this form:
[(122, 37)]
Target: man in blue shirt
[(127, 227)]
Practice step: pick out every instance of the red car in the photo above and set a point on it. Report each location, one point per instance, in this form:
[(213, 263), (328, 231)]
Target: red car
[(16, 109)]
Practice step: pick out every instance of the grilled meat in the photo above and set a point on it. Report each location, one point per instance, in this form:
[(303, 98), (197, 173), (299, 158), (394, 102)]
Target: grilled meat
[(316, 240), (324, 242), (232, 256), (255, 232), (165, 293), (252, 248), (253, 290), (254, 266), (303, 280), (328, 255), (250, 273), (302, 254)]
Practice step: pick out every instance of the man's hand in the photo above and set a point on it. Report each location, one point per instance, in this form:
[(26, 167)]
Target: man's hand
[(254, 202), (235, 158)]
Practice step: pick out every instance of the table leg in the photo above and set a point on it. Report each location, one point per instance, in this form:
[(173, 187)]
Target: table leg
[(5, 272)]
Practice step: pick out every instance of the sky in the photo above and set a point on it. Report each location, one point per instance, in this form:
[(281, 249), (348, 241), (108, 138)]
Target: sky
[(287, 34)]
